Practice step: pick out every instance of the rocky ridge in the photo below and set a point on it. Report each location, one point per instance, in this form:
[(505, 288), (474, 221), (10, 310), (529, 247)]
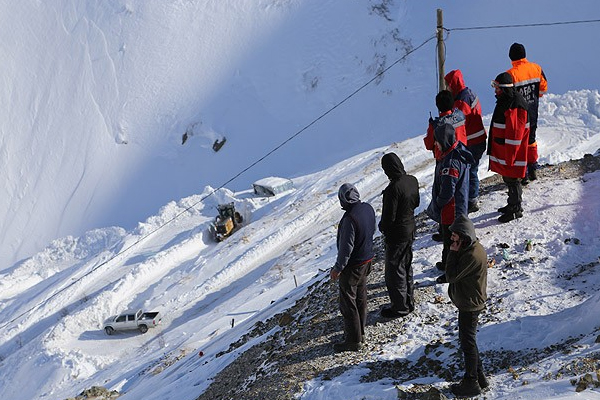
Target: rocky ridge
[(301, 347)]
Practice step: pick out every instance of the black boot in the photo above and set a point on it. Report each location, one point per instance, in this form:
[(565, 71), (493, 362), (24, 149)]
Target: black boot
[(531, 171), (503, 210), (515, 213), (532, 174), (466, 388), (347, 346), (473, 206), (387, 312), (482, 380)]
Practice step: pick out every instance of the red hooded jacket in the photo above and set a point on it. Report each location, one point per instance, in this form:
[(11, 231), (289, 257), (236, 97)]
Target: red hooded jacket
[(467, 102)]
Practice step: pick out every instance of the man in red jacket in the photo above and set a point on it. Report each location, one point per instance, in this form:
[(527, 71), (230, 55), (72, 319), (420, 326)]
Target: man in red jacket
[(530, 81), (508, 139), (468, 102)]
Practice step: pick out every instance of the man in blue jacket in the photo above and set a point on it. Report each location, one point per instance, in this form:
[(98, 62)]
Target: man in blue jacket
[(450, 191), (353, 264)]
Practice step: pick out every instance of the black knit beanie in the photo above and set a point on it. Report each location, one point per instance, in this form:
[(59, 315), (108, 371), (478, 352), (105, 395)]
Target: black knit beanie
[(516, 52), (444, 100), (504, 79)]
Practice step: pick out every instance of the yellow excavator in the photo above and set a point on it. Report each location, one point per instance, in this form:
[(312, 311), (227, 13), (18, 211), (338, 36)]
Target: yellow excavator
[(227, 222)]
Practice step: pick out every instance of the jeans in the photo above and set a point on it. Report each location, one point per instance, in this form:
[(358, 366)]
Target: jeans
[(477, 151)]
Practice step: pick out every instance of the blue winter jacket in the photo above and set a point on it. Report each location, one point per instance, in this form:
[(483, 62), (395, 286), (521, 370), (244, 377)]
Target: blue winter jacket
[(450, 192), (355, 230)]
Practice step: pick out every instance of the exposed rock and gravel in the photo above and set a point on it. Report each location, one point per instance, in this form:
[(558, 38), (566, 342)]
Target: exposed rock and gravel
[(97, 393), (301, 349)]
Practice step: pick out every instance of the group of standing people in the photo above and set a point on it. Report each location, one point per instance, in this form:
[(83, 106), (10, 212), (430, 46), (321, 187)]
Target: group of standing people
[(458, 140)]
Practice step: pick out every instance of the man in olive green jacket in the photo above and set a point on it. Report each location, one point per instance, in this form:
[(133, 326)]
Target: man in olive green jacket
[(466, 273)]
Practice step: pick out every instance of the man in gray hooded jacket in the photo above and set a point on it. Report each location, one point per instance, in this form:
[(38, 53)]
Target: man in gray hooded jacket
[(353, 264), (400, 198), (466, 273)]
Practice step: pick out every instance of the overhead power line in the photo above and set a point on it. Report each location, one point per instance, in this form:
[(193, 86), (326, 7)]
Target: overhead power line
[(523, 25)]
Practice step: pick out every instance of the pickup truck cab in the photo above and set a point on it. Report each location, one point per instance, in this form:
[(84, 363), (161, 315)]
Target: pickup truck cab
[(132, 320)]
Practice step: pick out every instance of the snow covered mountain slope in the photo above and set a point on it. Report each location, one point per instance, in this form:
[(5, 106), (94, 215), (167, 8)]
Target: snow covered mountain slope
[(53, 304)]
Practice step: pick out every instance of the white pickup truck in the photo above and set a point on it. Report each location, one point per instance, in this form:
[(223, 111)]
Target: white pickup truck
[(131, 320)]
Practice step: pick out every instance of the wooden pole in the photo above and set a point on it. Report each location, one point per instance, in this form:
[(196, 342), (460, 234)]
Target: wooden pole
[(441, 50)]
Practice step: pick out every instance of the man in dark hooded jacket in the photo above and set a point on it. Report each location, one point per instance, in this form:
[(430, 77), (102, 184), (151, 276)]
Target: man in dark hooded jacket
[(450, 191), (400, 198), (353, 264), (466, 273)]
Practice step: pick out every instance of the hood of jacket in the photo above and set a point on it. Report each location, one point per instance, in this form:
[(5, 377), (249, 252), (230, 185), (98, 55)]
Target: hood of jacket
[(445, 135), (463, 226), (392, 166), (455, 81), (348, 195)]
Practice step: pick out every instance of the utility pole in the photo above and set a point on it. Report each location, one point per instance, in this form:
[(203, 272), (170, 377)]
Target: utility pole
[(441, 49)]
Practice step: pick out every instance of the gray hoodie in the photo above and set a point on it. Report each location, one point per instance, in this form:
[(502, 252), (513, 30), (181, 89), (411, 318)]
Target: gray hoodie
[(355, 230)]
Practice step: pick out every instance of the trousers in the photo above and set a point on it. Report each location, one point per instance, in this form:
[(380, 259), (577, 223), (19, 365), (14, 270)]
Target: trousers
[(515, 192), (446, 234), (353, 301), (477, 151), (399, 276), (467, 331)]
